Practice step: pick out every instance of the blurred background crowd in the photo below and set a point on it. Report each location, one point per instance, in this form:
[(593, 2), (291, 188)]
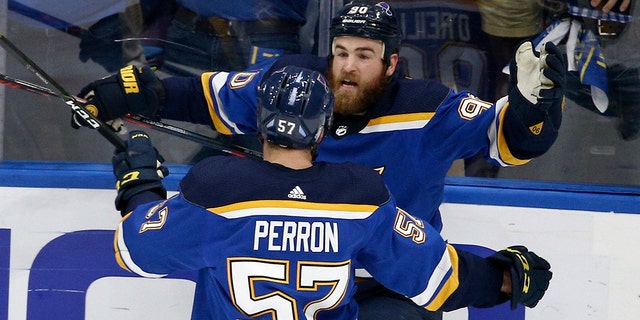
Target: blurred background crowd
[(465, 44)]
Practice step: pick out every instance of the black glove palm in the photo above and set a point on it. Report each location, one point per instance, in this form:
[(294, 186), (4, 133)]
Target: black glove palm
[(530, 274), (131, 90), (138, 169)]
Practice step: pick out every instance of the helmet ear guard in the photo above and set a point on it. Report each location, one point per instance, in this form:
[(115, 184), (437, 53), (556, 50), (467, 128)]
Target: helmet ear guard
[(371, 20), (295, 107)]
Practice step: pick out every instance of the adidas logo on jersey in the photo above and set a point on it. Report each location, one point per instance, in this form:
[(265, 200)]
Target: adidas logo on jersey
[(296, 193)]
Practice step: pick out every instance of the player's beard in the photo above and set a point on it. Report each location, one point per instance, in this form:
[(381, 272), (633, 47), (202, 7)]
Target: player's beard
[(358, 101)]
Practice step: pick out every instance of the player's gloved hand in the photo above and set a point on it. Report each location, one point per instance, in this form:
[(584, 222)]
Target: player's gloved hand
[(536, 98), (538, 78), (138, 169), (131, 90), (530, 274)]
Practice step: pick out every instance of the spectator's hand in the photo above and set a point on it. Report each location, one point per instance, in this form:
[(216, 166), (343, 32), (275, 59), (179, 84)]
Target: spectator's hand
[(606, 5), (538, 77), (529, 274), (131, 90), (138, 169), (98, 43)]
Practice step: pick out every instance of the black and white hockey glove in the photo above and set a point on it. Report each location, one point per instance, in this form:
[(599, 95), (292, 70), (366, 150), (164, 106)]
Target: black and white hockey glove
[(538, 77), (138, 169), (131, 90), (536, 99), (530, 274)]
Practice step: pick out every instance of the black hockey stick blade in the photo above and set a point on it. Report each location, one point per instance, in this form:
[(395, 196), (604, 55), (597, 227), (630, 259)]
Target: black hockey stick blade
[(206, 141), (76, 106)]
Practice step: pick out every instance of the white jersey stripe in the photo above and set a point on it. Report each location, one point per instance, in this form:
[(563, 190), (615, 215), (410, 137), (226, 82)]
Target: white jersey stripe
[(126, 257), (296, 212), (396, 126), (492, 132), (217, 82), (437, 278)]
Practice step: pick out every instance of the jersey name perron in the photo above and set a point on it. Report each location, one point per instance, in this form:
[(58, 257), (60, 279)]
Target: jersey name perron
[(296, 236)]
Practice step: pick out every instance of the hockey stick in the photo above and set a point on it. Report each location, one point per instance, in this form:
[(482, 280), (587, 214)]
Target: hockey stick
[(77, 107), (231, 149), (145, 122)]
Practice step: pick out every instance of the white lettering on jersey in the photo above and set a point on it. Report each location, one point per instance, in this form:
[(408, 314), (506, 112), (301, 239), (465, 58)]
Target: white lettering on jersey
[(298, 236)]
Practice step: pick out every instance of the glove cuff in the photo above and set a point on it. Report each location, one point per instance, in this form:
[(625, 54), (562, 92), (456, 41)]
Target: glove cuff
[(136, 181), (126, 196), (505, 261)]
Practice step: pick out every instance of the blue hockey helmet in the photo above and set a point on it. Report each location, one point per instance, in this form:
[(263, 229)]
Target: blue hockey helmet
[(295, 107), (369, 20)]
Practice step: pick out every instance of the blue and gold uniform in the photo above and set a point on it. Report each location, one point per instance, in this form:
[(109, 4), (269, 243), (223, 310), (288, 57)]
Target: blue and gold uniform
[(412, 135), (283, 246)]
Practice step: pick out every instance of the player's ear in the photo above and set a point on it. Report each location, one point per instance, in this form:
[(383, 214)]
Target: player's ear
[(393, 62)]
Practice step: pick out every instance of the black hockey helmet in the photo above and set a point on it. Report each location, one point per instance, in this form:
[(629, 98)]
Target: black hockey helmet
[(369, 20), (295, 107)]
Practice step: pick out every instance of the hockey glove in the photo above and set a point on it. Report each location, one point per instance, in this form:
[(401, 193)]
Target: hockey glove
[(131, 90), (538, 78), (138, 169), (536, 98), (530, 274)]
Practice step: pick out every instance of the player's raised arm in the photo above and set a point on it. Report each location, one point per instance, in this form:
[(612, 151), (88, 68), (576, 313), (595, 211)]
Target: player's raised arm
[(225, 100), (536, 98)]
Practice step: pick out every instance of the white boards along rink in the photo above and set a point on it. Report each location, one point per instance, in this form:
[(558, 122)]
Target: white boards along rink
[(57, 262)]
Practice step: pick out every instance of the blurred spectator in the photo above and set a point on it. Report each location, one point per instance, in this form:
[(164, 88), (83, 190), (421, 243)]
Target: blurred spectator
[(507, 23), (101, 26), (605, 71), (618, 35), (111, 41), (232, 35)]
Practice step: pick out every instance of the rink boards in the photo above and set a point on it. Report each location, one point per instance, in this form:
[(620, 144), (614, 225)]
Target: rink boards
[(56, 251)]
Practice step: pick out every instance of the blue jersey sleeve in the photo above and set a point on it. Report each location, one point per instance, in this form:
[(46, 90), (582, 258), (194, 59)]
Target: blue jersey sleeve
[(471, 125), (232, 100), (160, 237), (411, 258), (226, 100)]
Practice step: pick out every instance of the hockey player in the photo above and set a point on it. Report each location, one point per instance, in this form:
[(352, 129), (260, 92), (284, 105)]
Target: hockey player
[(410, 130), (278, 238)]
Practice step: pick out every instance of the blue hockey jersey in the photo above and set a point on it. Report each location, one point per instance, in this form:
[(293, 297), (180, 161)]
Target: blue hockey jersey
[(412, 136), (282, 244)]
